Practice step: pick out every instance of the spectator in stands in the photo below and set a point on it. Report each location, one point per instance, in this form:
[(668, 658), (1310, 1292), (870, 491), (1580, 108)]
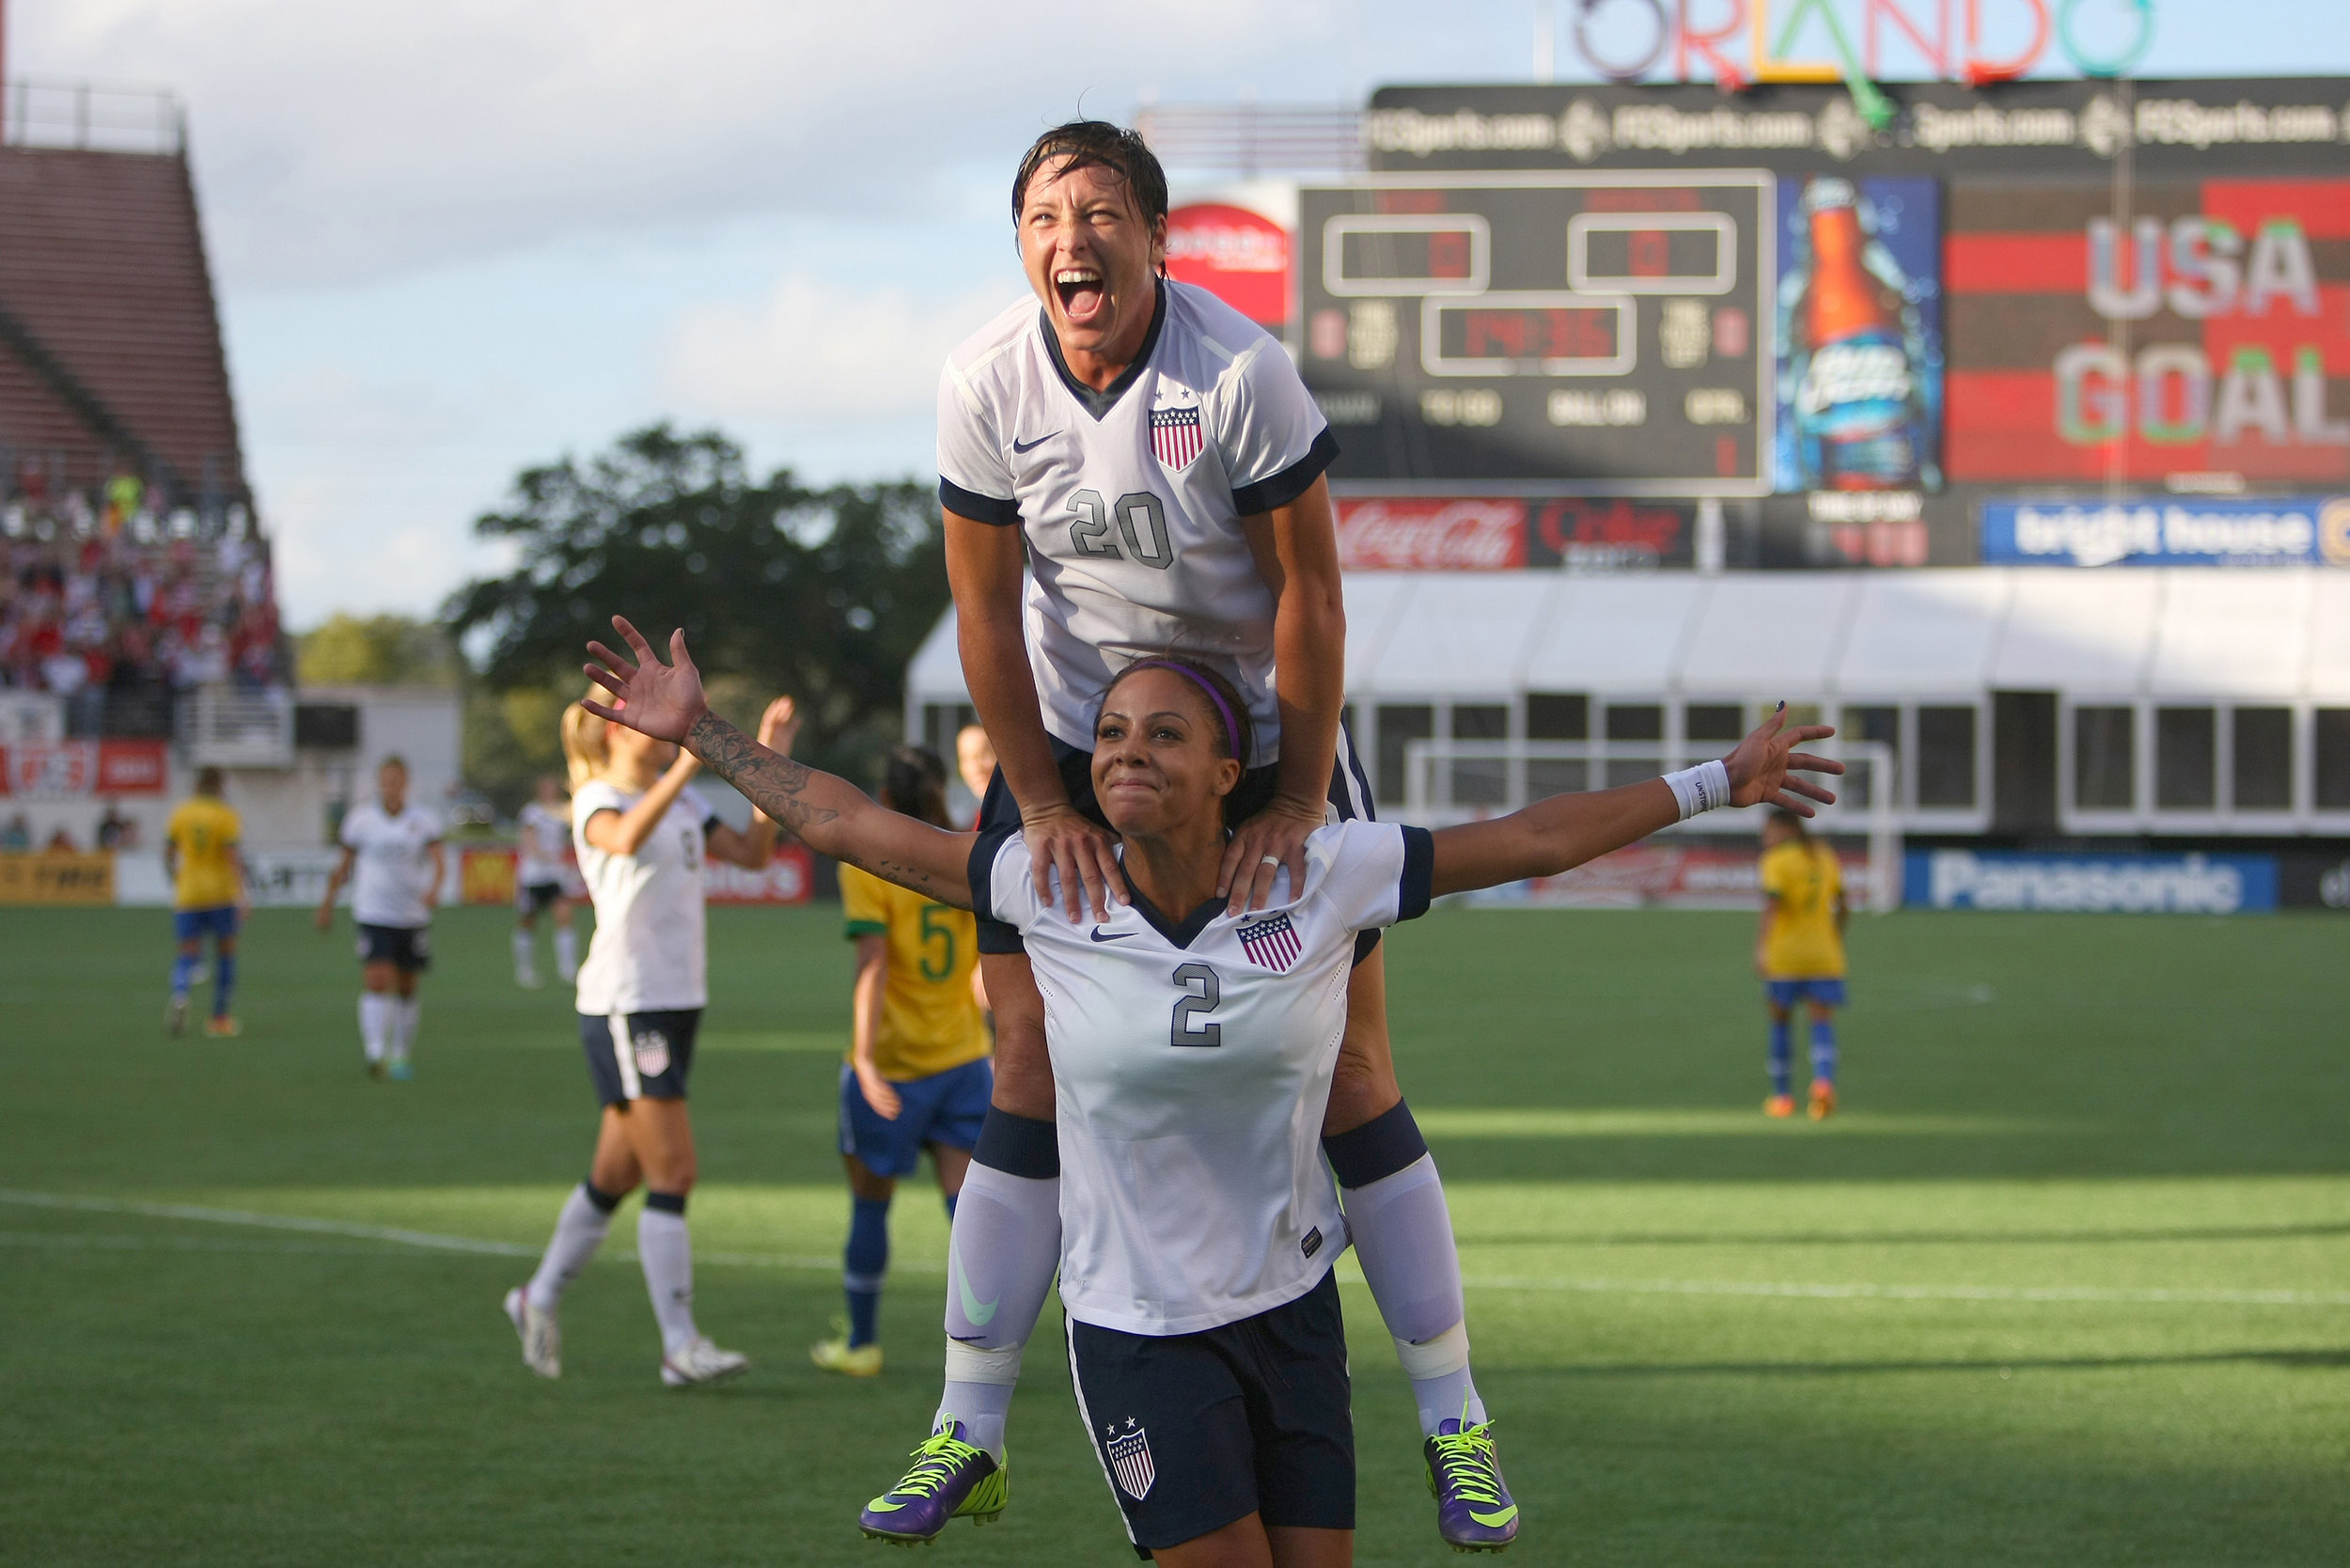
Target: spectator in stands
[(61, 842), (18, 835), (117, 831)]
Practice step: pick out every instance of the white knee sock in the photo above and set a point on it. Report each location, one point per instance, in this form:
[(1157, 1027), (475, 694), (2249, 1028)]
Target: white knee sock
[(1402, 1234), (566, 953), (579, 1230), (375, 1022), (1001, 1253), (404, 1026), (666, 1252), (525, 957)]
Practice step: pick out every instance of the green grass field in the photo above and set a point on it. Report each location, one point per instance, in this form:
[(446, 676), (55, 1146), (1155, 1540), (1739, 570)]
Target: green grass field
[(2068, 1283)]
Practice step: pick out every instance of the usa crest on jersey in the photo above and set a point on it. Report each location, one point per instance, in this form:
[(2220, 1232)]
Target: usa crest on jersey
[(1176, 437), (1130, 1459), (1272, 944)]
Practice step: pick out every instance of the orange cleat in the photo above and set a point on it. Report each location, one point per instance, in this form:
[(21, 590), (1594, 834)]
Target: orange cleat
[(1779, 1105), (223, 1028), (1822, 1100)]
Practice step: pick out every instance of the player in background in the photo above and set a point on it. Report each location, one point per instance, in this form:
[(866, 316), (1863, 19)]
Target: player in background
[(1129, 466), (917, 1075), (642, 835), (1191, 1049), (975, 760), (1799, 952), (543, 833), (392, 857), (201, 857)]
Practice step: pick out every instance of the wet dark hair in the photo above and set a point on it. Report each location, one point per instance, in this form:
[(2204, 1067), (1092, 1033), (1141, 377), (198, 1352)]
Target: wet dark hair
[(208, 781), (913, 782), (1086, 144), (1784, 818), (1238, 742)]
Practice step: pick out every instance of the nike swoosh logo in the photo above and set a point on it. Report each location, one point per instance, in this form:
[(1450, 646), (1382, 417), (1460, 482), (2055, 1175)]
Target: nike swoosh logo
[(1495, 1521), (973, 1308), (1114, 936), (1031, 445)]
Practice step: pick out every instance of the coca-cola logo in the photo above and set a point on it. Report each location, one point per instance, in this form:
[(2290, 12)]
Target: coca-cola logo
[(1853, 373), (1470, 534)]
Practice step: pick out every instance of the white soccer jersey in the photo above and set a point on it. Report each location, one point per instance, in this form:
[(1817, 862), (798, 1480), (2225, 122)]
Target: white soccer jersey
[(1131, 498), (543, 835), (651, 950), (1191, 1067), (391, 865)]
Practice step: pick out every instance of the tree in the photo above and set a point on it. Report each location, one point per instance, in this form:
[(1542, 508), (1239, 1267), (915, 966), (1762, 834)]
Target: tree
[(378, 650), (822, 593)]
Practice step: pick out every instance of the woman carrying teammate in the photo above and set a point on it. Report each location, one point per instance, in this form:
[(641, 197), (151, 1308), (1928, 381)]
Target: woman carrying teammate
[(1799, 952), (918, 1076), (543, 829), (1192, 1050), (642, 835), (393, 860)]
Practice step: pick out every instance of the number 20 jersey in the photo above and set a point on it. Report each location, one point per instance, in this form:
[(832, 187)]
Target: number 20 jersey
[(1191, 1066), (1131, 497)]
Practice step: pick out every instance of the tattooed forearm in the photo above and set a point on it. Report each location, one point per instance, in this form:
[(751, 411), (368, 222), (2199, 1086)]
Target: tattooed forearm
[(772, 783)]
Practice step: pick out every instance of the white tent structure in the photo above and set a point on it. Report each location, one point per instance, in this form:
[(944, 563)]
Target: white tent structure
[(2050, 700)]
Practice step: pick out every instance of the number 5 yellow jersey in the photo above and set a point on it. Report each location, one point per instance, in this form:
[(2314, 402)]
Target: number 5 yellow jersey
[(206, 833), (929, 1021)]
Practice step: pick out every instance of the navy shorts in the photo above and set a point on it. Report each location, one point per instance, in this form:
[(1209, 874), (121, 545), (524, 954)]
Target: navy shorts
[(1349, 797), (193, 925), (1787, 992), (532, 897), (1195, 1431), (406, 948), (943, 1108), (646, 1057)]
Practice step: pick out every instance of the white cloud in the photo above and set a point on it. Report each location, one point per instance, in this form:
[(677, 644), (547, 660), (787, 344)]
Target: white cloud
[(816, 352)]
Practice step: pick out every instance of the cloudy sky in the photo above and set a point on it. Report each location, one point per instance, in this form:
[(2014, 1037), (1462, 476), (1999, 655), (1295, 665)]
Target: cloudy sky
[(456, 237)]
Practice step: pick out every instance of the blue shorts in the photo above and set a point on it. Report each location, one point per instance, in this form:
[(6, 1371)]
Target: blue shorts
[(1787, 992), (943, 1108), (193, 925), (646, 1058)]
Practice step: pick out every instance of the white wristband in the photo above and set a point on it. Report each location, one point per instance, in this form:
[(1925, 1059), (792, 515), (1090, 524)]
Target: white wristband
[(1701, 788)]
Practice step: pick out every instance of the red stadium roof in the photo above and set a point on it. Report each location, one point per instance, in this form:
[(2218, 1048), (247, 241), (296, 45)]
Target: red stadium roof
[(110, 349)]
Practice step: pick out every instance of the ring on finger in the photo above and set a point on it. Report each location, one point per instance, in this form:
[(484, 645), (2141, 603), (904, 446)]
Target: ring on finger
[(1268, 860)]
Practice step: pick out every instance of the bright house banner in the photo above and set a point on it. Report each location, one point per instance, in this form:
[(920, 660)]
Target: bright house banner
[(2294, 530), (2089, 884)]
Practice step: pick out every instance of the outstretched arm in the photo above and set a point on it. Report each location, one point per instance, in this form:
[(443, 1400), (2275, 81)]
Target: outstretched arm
[(830, 815), (1564, 831)]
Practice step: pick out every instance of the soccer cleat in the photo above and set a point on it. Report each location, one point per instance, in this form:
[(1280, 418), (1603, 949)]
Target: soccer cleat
[(176, 1015), (701, 1362), (221, 1027), (400, 1071), (1475, 1511), (849, 1360), (541, 1335), (1822, 1100), (951, 1480), (1779, 1105), (375, 1069)]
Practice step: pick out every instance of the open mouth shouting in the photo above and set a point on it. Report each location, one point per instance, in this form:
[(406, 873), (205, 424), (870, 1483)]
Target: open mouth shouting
[(1083, 298)]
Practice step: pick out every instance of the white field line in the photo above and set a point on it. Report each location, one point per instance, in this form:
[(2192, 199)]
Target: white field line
[(1862, 1292)]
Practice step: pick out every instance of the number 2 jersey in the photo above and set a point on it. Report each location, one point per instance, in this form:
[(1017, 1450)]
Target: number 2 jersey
[(1191, 1064), (1131, 497)]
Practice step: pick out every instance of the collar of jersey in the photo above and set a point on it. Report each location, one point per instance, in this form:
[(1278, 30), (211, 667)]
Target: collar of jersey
[(1181, 934), (1099, 403)]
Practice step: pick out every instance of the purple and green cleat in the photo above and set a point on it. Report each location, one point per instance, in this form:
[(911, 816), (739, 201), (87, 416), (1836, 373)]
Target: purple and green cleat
[(1475, 1511), (951, 1480)]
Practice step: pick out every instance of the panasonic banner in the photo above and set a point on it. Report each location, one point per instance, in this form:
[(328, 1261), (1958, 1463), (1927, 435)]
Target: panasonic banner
[(2301, 530), (2090, 884)]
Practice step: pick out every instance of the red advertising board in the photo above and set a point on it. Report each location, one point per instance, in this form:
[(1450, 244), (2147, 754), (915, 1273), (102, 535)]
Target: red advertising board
[(790, 878), (81, 770), (2209, 333), (1471, 534), (1685, 875), (1242, 257)]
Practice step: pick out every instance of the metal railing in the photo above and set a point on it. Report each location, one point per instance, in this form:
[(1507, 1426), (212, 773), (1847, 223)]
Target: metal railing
[(93, 116), (1251, 139), (1456, 781), (225, 727)]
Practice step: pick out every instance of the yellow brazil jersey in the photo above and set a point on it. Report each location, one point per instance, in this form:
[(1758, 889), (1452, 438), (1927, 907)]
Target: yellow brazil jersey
[(206, 831), (929, 1021), (1803, 877)]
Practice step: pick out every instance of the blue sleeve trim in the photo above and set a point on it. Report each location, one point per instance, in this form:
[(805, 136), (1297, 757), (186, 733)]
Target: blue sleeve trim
[(982, 869), (1417, 883), (1290, 482), (979, 507)]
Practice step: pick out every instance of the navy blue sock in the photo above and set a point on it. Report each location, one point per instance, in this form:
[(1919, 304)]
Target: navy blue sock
[(1781, 1048), (1824, 1050), (224, 982), (863, 1263), (183, 971)]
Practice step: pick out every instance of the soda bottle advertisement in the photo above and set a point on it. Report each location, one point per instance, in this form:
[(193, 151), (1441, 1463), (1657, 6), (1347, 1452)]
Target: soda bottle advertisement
[(1859, 315)]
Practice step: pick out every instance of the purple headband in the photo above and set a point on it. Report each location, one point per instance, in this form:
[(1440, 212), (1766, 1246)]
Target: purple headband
[(1231, 725)]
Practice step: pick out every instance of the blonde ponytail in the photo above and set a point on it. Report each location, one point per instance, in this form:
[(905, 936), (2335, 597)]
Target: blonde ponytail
[(587, 746)]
